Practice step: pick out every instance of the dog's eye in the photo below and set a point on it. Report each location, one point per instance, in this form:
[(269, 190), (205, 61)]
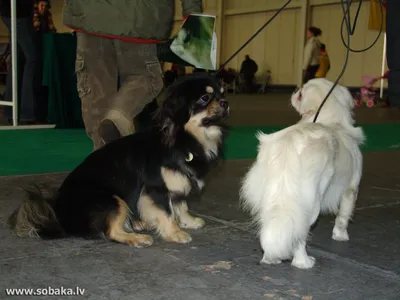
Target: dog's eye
[(205, 99), (299, 92), (299, 96)]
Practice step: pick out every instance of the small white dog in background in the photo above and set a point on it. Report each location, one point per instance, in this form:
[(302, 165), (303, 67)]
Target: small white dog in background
[(303, 170)]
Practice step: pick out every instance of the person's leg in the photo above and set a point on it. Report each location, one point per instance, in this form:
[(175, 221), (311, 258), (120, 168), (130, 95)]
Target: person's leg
[(248, 79), (393, 51), (27, 39), (8, 93), (140, 82), (313, 71), (97, 80), (42, 103), (310, 73)]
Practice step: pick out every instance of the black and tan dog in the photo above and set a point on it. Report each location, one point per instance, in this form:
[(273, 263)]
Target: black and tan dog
[(141, 181)]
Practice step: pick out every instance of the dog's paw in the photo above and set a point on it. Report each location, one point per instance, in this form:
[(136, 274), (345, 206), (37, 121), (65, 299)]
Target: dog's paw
[(266, 261), (193, 223), (340, 235), (180, 237), (304, 263), (140, 240)]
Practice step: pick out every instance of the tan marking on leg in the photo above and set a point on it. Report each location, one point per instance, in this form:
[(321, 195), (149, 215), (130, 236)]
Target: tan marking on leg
[(116, 224), (165, 225), (184, 218)]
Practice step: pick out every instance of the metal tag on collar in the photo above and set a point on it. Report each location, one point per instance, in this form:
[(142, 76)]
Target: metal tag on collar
[(189, 157)]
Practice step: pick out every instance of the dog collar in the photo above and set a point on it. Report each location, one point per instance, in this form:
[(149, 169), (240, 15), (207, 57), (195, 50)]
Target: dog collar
[(307, 113)]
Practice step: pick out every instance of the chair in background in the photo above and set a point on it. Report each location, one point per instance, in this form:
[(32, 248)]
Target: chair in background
[(267, 80), (229, 80)]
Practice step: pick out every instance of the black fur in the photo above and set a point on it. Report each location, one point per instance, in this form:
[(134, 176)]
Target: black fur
[(126, 166)]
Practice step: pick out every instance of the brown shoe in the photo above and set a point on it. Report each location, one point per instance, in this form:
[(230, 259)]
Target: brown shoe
[(108, 131)]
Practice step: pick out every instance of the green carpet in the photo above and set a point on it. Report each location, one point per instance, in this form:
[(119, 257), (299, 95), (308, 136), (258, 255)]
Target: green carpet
[(52, 150)]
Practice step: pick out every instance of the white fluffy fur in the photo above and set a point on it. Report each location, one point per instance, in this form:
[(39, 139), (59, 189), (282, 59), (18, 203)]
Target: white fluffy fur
[(303, 170)]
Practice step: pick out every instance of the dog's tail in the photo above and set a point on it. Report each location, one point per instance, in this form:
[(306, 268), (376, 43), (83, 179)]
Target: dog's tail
[(276, 186), (36, 217), (358, 134), (281, 230)]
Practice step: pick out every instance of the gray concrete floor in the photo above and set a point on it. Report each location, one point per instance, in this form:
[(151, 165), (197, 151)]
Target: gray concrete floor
[(222, 260)]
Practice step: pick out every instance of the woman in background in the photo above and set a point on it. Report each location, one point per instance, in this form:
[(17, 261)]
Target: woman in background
[(311, 54), (42, 17)]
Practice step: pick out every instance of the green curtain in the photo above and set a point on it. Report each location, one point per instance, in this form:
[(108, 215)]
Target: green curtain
[(64, 108)]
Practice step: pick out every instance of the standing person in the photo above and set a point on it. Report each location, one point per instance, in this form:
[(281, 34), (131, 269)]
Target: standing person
[(248, 69), (27, 56), (311, 53), (117, 68)]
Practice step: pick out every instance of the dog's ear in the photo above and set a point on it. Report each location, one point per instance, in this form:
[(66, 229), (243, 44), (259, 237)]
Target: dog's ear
[(173, 114), (170, 130), (174, 109)]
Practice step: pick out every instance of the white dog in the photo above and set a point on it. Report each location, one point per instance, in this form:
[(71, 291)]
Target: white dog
[(303, 170)]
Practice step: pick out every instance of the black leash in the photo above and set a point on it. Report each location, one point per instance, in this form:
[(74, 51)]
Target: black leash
[(350, 31), (253, 36)]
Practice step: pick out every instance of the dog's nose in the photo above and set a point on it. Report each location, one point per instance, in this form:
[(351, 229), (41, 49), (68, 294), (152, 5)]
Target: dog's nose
[(224, 103)]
